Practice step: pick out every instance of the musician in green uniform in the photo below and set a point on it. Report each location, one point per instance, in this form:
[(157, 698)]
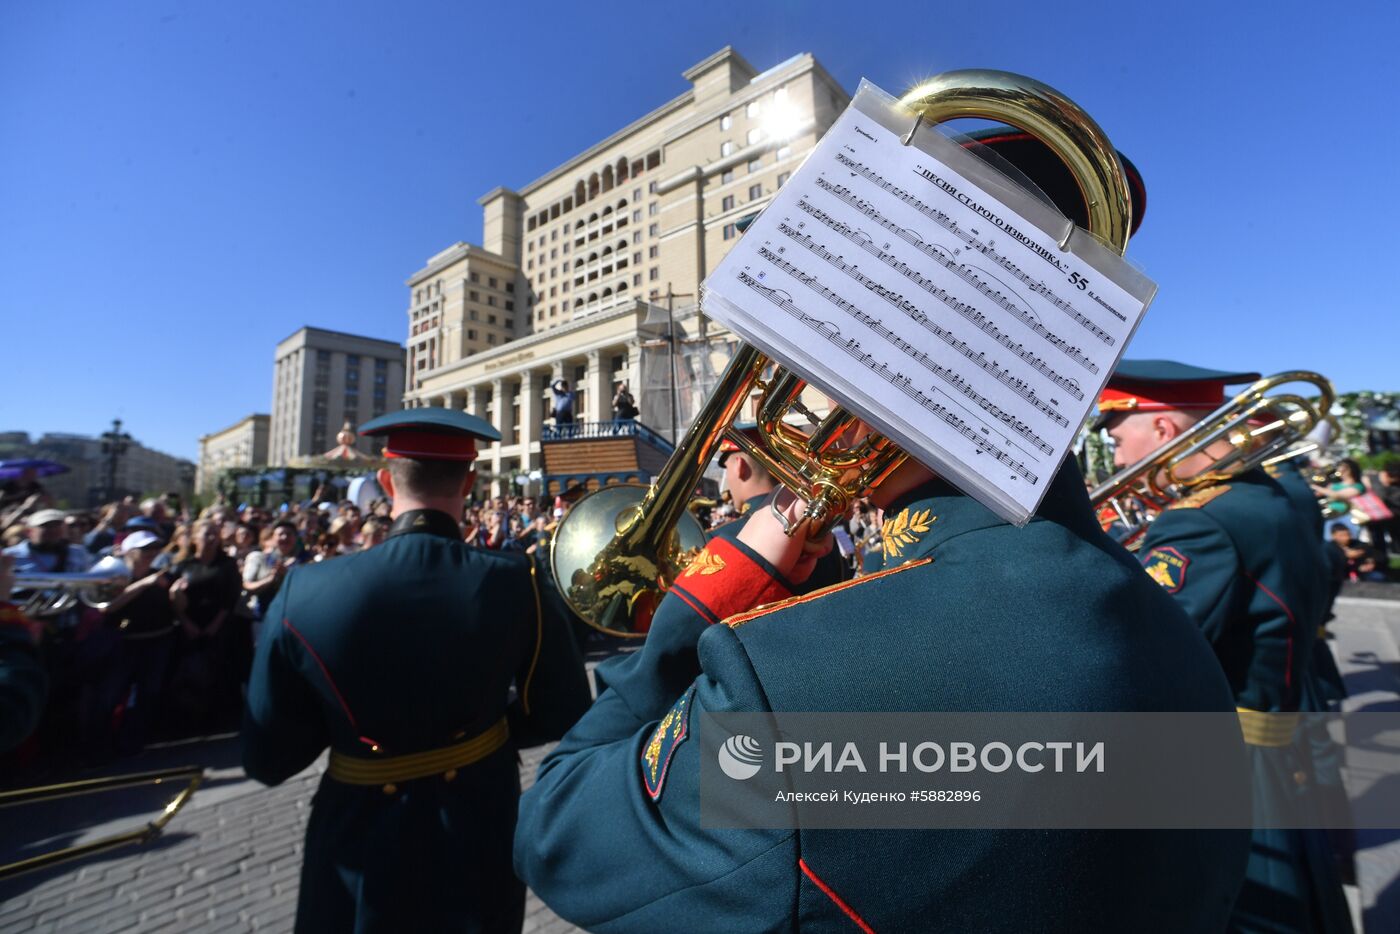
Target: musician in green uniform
[(1332, 690), (423, 664), (1323, 687), (1243, 564), (969, 614), (753, 488)]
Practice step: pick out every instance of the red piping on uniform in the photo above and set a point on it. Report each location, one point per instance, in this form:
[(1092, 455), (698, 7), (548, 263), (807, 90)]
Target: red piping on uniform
[(695, 605), (329, 680), (850, 912), (1293, 623)]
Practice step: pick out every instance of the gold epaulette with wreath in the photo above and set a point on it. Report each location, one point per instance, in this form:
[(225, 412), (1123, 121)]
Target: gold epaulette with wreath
[(1200, 497)]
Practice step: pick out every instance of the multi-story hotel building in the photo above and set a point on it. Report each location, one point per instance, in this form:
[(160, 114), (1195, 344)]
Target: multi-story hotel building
[(577, 267), (323, 379), (242, 444)]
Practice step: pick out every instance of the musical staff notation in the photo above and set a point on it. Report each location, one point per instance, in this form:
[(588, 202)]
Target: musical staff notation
[(981, 322), (973, 242), (852, 348), (1001, 374), (962, 270)]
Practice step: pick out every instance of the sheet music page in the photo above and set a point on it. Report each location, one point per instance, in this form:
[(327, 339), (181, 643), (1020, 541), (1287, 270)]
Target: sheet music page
[(928, 294)]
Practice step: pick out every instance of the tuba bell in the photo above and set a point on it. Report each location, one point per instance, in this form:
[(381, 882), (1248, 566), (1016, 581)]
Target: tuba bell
[(617, 552)]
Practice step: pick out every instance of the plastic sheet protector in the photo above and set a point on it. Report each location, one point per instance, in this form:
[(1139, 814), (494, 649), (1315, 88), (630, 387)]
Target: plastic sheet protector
[(944, 304)]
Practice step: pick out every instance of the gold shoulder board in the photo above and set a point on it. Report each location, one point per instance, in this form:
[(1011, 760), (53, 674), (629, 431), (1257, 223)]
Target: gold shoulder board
[(1200, 497)]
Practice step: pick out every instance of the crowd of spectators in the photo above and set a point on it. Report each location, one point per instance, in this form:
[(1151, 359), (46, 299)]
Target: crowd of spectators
[(1363, 520), (168, 653)]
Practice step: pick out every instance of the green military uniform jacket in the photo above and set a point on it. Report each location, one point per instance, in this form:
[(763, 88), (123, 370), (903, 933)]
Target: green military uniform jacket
[(1326, 688), (409, 649), (1244, 565), (971, 614)]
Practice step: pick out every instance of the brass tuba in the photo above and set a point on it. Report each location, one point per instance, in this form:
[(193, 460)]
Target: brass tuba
[(617, 552), (1261, 426)]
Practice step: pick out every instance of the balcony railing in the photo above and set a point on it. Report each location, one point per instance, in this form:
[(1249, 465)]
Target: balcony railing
[(589, 431)]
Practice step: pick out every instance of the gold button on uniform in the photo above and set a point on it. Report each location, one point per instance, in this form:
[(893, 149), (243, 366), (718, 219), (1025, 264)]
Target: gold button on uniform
[(391, 789)]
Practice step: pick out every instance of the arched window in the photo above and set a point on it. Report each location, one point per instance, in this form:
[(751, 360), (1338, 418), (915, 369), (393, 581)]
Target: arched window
[(593, 185), (621, 287), (622, 170), (607, 178), (579, 193), (593, 218), (592, 297), (592, 257), (607, 293), (579, 225), (607, 210), (622, 205)]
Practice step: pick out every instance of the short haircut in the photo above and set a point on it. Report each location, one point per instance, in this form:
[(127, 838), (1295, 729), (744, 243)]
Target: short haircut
[(1336, 527), (429, 478), (286, 523)]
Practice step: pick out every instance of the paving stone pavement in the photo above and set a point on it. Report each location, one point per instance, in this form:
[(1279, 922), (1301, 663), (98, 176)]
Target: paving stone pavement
[(230, 860)]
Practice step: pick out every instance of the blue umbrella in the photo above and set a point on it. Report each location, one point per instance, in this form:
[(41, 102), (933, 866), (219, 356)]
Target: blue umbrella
[(12, 470)]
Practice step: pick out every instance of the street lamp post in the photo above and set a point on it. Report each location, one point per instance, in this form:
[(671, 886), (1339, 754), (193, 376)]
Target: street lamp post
[(114, 444)]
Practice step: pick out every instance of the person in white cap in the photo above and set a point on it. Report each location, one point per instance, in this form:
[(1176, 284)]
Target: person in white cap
[(47, 550), (144, 617)]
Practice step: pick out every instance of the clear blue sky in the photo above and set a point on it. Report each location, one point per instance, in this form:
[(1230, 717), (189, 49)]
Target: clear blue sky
[(183, 184)]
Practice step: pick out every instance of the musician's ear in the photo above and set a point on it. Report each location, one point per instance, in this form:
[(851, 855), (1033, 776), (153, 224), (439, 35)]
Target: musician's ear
[(386, 481)]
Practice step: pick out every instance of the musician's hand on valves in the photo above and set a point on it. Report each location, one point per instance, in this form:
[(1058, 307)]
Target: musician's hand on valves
[(765, 532)]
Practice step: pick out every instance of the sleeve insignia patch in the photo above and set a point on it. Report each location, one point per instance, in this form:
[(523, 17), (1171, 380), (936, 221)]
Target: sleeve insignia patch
[(1167, 566), (906, 529), (705, 564), (673, 730), (1200, 497)]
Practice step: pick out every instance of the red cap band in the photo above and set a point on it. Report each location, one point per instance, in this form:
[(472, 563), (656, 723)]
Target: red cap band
[(430, 446), (1157, 397)]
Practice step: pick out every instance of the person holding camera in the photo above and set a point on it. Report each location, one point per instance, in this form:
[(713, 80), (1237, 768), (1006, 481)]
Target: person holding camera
[(624, 406)]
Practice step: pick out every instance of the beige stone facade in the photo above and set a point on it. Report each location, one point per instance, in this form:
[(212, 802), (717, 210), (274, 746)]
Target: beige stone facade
[(242, 444), (572, 264), (323, 379)]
